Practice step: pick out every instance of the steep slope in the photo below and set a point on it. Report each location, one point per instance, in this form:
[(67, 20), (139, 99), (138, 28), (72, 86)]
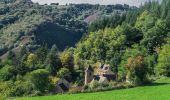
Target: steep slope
[(47, 24)]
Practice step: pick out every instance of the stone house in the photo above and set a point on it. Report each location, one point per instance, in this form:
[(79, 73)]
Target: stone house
[(63, 84), (104, 74), (89, 74)]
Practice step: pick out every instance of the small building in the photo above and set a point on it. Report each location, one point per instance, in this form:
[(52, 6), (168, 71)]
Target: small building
[(104, 74), (63, 85)]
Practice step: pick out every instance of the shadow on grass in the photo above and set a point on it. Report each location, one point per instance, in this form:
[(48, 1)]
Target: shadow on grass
[(157, 84)]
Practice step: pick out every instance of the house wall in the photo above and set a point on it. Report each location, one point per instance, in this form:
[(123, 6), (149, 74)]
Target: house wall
[(88, 77), (58, 88)]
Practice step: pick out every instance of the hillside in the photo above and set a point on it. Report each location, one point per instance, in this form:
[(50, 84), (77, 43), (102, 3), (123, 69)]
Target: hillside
[(63, 25), (53, 49)]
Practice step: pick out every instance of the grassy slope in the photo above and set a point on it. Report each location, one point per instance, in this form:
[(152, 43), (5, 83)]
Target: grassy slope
[(160, 90)]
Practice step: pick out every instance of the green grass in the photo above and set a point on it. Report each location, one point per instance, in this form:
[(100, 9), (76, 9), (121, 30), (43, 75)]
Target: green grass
[(160, 90)]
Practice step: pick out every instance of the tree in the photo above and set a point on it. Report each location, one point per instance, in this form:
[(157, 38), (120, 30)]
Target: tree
[(31, 61), (40, 79), (62, 72), (128, 58), (133, 34), (6, 73), (11, 55), (168, 21), (145, 21), (137, 69), (52, 61), (101, 45), (42, 53), (163, 66), (165, 8), (23, 52), (154, 30), (1, 65), (67, 60), (21, 67)]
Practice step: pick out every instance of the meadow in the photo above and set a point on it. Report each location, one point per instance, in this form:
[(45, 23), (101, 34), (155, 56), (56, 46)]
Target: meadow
[(159, 90)]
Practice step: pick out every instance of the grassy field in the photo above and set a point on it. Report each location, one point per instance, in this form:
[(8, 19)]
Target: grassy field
[(160, 90)]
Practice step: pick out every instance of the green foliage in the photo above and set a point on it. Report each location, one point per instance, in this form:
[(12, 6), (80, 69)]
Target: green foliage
[(18, 88), (62, 72), (52, 62), (154, 30), (11, 55), (102, 23), (40, 79), (133, 34), (101, 45), (6, 73), (163, 66), (94, 85), (24, 22), (115, 61), (145, 21), (31, 61), (41, 54), (130, 53), (151, 61), (67, 60), (137, 69)]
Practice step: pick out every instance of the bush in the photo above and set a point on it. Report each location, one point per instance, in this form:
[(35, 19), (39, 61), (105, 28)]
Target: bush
[(106, 86), (36, 93), (6, 88), (94, 84), (18, 88), (22, 88), (85, 87)]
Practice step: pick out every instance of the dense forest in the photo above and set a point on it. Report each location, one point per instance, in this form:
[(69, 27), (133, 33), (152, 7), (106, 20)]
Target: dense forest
[(23, 22), (42, 43)]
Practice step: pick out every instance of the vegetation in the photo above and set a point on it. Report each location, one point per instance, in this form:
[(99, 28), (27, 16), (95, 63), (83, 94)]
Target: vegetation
[(146, 93), (23, 22), (163, 61), (137, 48)]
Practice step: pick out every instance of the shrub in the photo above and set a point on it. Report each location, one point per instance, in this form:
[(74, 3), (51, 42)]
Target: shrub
[(6, 88), (36, 93), (18, 88), (22, 88), (85, 87), (94, 84)]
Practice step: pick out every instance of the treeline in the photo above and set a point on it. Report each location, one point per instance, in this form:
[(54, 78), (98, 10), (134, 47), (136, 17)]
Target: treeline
[(136, 45), (130, 16), (24, 18)]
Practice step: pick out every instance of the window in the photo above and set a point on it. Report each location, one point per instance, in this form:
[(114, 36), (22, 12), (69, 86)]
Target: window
[(106, 68)]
